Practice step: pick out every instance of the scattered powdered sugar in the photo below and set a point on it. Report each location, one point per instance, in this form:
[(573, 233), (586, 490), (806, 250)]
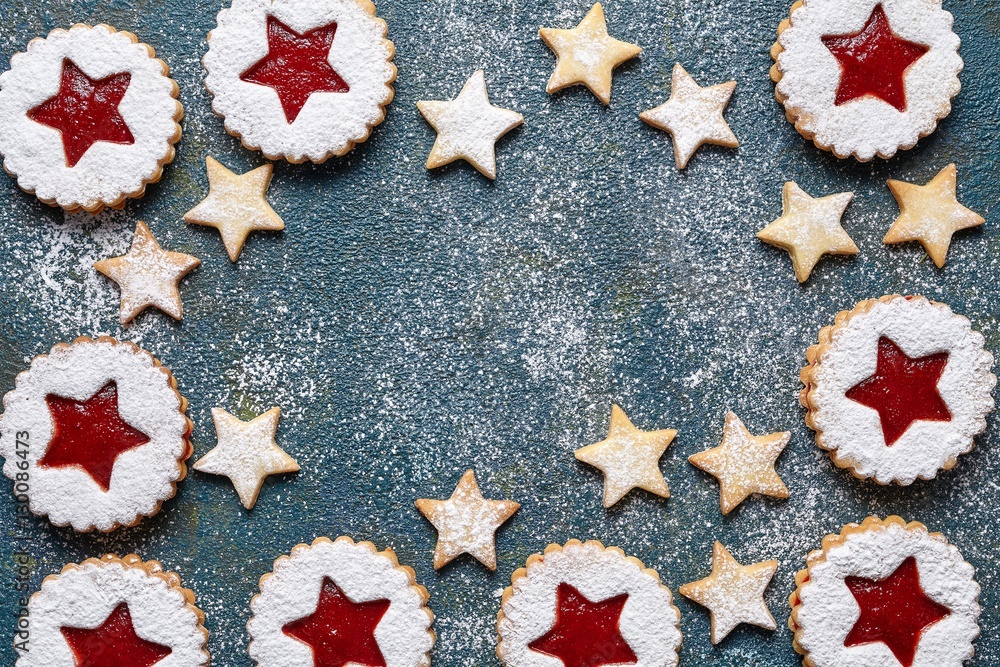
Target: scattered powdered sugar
[(854, 433), (648, 621), (828, 610), (810, 75), (329, 123)]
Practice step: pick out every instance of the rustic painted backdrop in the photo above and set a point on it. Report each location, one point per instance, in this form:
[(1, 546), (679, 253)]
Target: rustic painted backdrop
[(414, 324)]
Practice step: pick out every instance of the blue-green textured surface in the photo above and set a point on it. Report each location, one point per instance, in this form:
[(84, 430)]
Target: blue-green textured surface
[(414, 324)]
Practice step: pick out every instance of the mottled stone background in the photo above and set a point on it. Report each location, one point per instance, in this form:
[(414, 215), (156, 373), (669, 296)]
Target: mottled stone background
[(414, 324)]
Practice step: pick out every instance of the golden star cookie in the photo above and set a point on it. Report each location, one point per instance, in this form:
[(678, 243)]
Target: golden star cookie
[(148, 275), (809, 228), (930, 214), (586, 55), (629, 458), (246, 453), (693, 116), (466, 522), (743, 463), (236, 205), (733, 593)]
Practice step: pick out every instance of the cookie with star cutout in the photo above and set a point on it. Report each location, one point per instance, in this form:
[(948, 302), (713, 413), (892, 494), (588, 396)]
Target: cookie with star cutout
[(300, 79), (88, 118), (897, 388), (582, 599), (338, 602), (94, 435), (104, 609), (862, 77), (885, 592)]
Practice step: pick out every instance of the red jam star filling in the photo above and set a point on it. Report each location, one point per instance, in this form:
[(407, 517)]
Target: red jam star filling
[(903, 390), (85, 111), (90, 434), (586, 633), (894, 611), (113, 643), (873, 61), (341, 630), (296, 66)]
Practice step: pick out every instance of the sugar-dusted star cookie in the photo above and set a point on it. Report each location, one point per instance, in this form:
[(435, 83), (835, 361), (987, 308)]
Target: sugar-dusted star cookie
[(693, 115), (930, 214), (466, 522), (733, 593), (148, 275), (246, 453), (468, 127), (629, 458), (586, 55), (236, 205), (809, 228), (743, 463)]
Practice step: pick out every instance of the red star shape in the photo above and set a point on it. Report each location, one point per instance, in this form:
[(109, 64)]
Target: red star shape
[(341, 630), (113, 643), (873, 61), (894, 611), (296, 66), (903, 390), (85, 111), (585, 633), (90, 434)]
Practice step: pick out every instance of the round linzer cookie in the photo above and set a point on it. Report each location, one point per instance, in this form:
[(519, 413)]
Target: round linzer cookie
[(897, 388), (88, 118), (94, 434), (885, 593), (104, 610), (866, 77), (300, 79), (339, 602), (579, 600)]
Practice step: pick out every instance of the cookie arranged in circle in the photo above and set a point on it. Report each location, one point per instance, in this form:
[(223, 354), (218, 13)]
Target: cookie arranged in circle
[(88, 118), (898, 388), (339, 602), (885, 592), (578, 600), (94, 434), (300, 79), (105, 610), (863, 77)]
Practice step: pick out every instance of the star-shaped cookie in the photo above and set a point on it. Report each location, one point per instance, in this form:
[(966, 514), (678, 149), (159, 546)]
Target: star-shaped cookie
[(629, 458), (733, 593), (693, 116), (468, 127), (809, 228), (246, 453), (236, 205), (466, 522), (743, 463), (930, 214), (148, 275), (586, 55)]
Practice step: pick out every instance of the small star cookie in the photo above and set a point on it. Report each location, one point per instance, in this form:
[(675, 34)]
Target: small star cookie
[(809, 227), (236, 205), (930, 214), (466, 522), (629, 458), (586, 55), (743, 463), (246, 453), (148, 275), (693, 116), (468, 127), (733, 593)]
